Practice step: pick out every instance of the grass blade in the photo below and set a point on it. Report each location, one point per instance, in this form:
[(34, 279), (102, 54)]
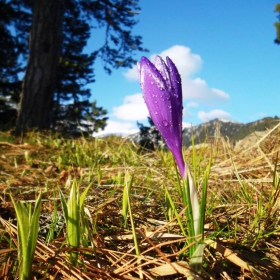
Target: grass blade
[(28, 226)]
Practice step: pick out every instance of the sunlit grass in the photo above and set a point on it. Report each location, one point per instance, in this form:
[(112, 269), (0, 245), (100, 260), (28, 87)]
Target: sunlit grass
[(140, 230)]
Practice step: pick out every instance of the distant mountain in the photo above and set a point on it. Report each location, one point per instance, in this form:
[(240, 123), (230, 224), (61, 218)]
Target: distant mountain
[(209, 130), (218, 127), (259, 125)]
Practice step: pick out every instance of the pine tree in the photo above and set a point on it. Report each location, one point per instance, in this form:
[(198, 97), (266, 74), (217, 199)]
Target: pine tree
[(57, 70), (9, 67), (71, 98), (41, 99), (94, 118), (149, 135), (40, 75)]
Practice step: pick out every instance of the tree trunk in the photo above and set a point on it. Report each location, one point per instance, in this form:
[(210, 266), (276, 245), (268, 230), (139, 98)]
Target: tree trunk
[(44, 52)]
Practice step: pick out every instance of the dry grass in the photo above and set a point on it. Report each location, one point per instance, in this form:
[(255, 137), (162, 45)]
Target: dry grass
[(242, 229)]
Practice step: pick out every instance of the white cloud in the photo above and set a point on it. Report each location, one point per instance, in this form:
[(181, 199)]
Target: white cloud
[(118, 128), (132, 73), (192, 105), (133, 108), (188, 65), (186, 113), (220, 93), (198, 90), (184, 124), (220, 114), (186, 62)]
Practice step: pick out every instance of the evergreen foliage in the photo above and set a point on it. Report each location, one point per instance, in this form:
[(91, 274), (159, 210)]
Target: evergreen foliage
[(70, 105), (149, 135), (75, 71), (9, 67)]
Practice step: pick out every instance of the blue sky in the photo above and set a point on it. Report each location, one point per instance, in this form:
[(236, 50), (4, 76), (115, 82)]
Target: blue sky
[(224, 51)]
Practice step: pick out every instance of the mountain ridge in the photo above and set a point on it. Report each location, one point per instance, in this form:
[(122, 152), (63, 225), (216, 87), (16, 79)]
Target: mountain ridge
[(234, 131)]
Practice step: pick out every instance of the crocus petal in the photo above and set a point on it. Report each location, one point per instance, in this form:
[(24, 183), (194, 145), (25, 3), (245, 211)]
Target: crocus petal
[(163, 97), (163, 70), (176, 89)]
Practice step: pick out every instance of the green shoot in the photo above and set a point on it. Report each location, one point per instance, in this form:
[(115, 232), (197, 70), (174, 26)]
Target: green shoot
[(72, 212), (126, 192), (28, 226)]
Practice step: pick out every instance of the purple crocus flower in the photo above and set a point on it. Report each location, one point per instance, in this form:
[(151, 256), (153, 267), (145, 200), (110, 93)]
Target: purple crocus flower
[(162, 91)]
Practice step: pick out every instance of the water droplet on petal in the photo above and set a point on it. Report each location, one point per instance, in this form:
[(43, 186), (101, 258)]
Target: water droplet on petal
[(165, 123), (156, 112)]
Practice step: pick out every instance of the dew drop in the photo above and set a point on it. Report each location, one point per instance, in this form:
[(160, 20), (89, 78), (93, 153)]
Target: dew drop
[(152, 82), (165, 123), (156, 112)]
